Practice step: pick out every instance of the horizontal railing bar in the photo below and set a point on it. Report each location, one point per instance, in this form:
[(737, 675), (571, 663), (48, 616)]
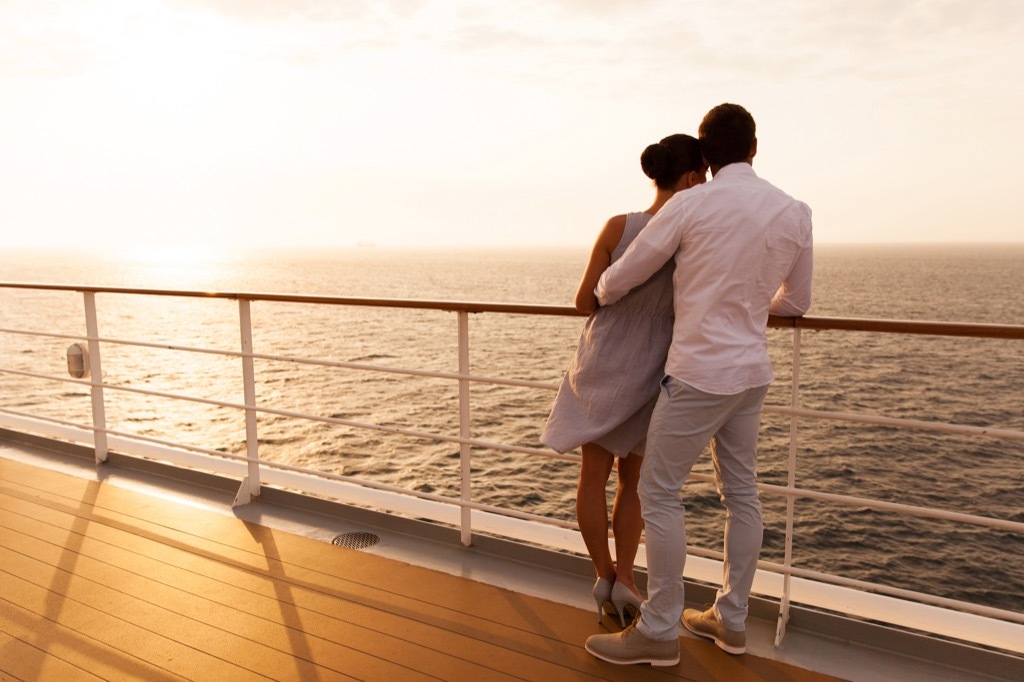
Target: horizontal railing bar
[(176, 445), (878, 588), (53, 335), (420, 373), (51, 420), (996, 331), (490, 445), (547, 520), (415, 304), (171, 346), (963, 429), (424, 435), (525, 383), (342, 478), (935, 600), (918, 424), (126, 389), (911, 510), (47, 377), (780, 490), (922, 327)]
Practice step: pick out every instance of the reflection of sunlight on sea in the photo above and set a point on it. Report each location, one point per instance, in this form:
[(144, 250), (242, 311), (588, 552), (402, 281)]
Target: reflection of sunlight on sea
[(187, 266)]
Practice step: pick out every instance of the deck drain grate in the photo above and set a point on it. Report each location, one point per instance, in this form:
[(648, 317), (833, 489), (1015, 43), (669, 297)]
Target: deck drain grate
[(356, 540)]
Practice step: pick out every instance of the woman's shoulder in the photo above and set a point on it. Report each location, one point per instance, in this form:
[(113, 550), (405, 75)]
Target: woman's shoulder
[(611, 233), (631, 225), (618, 221)]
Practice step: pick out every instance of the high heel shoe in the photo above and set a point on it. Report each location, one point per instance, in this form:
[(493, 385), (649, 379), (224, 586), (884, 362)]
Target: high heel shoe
[(624, 598), (602, 594)]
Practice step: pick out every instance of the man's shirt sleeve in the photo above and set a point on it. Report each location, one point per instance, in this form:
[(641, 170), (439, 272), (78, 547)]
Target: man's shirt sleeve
[(651, 249), (794, 296)]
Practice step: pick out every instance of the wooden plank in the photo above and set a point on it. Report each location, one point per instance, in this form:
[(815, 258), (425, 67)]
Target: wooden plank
[(25, 657), (201, 602), (114, 633), (177, 606), (388, 611)]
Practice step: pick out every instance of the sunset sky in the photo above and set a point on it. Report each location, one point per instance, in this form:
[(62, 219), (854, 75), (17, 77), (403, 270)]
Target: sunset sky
[(216, 124)]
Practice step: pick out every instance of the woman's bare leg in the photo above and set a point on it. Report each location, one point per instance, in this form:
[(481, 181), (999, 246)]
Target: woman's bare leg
[(627, 522), (592, 507)]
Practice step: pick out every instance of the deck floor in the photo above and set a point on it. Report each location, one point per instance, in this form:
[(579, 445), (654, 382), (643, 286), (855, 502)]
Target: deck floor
[(101, 582)]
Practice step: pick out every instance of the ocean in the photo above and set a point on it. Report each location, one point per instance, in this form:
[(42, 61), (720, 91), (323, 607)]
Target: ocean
[(967, 381)]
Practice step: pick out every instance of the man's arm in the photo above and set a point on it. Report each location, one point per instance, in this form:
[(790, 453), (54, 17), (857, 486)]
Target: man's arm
[(651, 249), (794, 296)]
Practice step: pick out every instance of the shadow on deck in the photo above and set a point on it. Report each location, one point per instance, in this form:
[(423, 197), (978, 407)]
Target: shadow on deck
[(100, 581)]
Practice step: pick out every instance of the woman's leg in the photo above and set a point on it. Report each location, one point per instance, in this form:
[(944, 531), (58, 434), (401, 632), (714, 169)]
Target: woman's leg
[(592, 507), (627, 522)]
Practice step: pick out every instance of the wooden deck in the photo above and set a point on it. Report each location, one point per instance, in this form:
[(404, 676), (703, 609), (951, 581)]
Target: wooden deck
[(101, 582)]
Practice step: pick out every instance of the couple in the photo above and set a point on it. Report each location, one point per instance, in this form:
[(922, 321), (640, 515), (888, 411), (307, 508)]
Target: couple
[(648, 390)]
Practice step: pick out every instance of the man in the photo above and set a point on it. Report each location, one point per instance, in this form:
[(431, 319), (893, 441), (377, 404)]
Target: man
[(742, 250)]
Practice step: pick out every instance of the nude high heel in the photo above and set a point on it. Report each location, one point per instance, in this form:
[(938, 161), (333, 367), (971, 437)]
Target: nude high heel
[(624, 598), (602, 593)]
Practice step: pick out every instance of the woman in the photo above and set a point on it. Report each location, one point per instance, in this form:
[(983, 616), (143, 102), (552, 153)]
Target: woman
[(605, 401)]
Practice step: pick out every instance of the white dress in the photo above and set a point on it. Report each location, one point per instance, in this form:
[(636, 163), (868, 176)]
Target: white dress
[(608, 393)]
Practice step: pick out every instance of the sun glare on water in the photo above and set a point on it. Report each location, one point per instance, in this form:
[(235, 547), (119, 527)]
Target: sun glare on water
[(177, 266)]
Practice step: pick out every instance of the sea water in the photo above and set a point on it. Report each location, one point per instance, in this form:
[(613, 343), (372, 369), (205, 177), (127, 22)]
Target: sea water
[(976, 382)]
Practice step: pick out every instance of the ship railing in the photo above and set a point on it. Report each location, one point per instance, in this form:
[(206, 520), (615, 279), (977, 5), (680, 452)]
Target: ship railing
[(783, 582)]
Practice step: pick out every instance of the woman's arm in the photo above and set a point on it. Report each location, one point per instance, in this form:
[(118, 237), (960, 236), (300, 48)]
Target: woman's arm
[(600, 259)]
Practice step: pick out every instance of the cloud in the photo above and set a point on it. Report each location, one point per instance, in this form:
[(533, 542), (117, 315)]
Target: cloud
[(279, 10), (40, 44)]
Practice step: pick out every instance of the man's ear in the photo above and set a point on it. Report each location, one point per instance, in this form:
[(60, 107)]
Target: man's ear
[(753, 150)]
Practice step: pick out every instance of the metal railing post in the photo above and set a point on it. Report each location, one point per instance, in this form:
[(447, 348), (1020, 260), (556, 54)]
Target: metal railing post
[(250, 488), (794, 402), (99, 413), (465, 456)]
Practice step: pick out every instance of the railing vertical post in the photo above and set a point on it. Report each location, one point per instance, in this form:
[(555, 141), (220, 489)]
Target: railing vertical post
[(794, 402), (99, 413), (250, 488), (465, 456)]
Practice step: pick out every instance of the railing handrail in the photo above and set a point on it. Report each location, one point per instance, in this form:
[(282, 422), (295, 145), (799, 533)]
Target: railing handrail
[(923, 327), (920, 327), (411, 303)]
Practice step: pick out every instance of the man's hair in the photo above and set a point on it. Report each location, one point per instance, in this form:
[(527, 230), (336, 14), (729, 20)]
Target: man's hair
[(726, 134)]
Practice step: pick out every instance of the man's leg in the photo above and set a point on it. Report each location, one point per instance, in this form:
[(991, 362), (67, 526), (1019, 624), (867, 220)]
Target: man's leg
[(681, 426), (734, 451)]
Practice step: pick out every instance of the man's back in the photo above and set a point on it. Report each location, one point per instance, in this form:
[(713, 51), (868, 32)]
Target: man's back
[(739, 239), (736, 240)]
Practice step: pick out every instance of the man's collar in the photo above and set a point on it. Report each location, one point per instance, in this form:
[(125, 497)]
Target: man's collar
[(738, 168)]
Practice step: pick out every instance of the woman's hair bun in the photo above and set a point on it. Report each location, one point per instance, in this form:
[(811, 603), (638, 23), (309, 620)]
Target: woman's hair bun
[(655, 160), (667, 161)]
